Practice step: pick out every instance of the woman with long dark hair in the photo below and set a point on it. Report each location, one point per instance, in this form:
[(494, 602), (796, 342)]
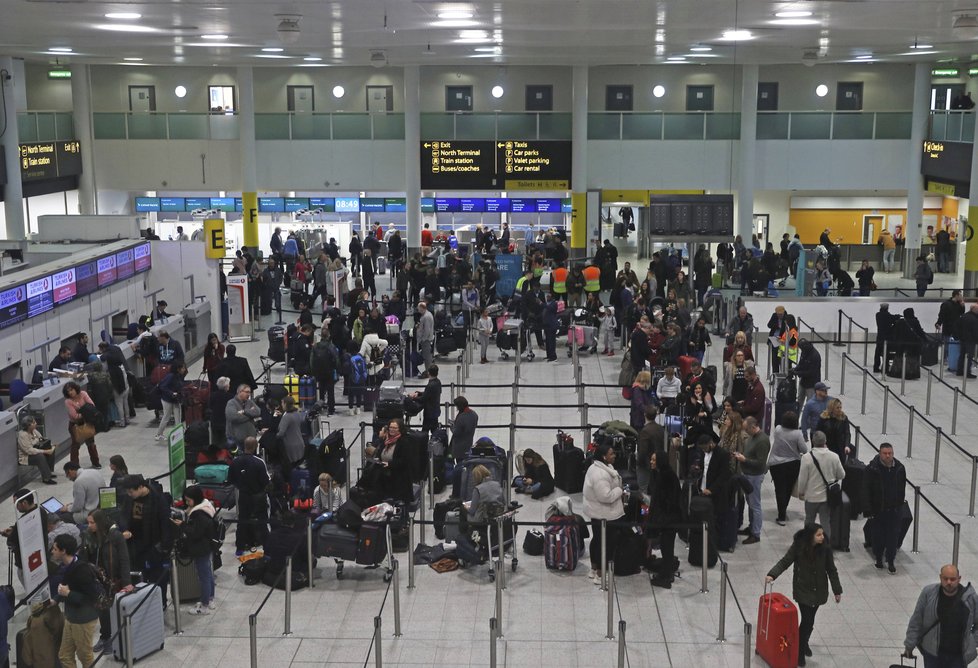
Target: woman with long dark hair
[(814, 568), (213, 354), (665, 513)]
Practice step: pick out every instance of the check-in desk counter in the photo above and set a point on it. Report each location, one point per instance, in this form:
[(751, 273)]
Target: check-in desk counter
[(197, 319), (8, 448)]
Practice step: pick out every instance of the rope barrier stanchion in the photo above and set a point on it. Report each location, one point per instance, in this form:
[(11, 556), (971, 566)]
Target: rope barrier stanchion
[(397, 592), (957, 543), (500, 542), (175, 591), (748, 644), (410, 552), (954, 412), (862, 405), (930, 382), (499, 601), (842, 377), (604, 554), (253, 638), (704, 586), (886, 359), (621, 643), (721, 632), (378, 642), (937, 454), (492, 642), (974, 485), (913, 414), (916, 524), (287, 631), (886, 406), (611, 600)]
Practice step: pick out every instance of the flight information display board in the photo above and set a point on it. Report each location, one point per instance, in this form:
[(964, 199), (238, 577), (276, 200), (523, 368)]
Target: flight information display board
[(458, 165), (296, 203), (271, 204), (64, 286), (124, 267), (691, 216), (372, 204), (194, 203), (13, 306), (142, 258), (86, 278), (40, 297), (147, 204), (172, 204)]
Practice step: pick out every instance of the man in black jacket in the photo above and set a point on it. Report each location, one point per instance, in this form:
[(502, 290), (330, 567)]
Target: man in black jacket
[(716, 474), (886, 483), (236, 369), (809, 368), (78, 592), (249, 475), (652, 438), (146, 526), (884, 329), (967, 331), (80, 353), (947, 317), (431, 400), (640, 349)]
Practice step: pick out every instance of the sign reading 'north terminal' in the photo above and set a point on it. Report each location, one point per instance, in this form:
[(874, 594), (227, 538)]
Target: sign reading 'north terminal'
[(488, 165), (50, 160)]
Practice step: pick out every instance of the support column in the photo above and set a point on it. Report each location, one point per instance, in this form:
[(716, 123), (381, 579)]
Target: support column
[(81, 104), (582, 230), (249, 156), (748, 151), (969, 236), (13, 192), (412, 154), (915, 182)]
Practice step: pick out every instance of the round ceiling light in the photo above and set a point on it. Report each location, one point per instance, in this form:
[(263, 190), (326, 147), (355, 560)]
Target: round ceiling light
[(60, 49), (658, 90), (180, 91), (338, 92), (821, 90), (497, 92)]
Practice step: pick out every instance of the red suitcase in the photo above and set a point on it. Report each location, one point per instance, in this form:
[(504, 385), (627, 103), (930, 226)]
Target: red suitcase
[(685, 364), (777, 630)]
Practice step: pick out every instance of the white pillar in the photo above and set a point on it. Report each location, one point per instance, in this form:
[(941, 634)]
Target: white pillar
[(579, 163), (412, 154), (970, 238), (13, 192), (81, 105), (748, 150), (915, 182), (246, 125)]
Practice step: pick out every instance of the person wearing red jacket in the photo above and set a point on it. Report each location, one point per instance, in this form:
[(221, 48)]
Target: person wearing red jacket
[(753, 403)]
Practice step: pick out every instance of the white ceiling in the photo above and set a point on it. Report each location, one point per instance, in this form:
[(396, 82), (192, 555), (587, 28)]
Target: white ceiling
[(527, 32)]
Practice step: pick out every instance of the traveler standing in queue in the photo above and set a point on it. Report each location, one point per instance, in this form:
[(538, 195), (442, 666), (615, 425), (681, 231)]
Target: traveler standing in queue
[(968, 335), (819, 469), (665, 513), (425, 336), (484, 328), (145, 525), (814, 568), (105, 547), (886, 482), (944, 623), (78, 592), (923, 275), (356, 251), (430, 398), (550, 326), (239, 417), (787, 449), (196, 542), (171, 395), (249, 475), (753, 464), (463, 429), (81, 431), (603, 500)]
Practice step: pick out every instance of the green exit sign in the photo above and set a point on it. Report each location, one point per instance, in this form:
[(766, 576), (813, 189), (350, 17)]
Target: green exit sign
[(944, 72), (59, 74)]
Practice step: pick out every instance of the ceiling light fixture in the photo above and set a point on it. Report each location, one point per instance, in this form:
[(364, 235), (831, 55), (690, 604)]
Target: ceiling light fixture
[(454, 23), (922, 46), (658, 90), (180, 91), (676, 58), (701, 48), (60, 49), (736, 35), (454, 15), (865, 56), (124, 16), (273, 49), (312, 59), (378, 58), (794, 22), (793, 14), (488, 49), (125, 27), (338, 92), (821, 90), (497, 92), (133, 59), (217, 37)]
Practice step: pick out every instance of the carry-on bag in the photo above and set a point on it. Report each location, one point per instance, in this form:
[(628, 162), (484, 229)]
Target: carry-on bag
[(148, 632), (336, 542), (560, 543), (777, 630), (840, 519), (906, 519), (630, 553), (533, 543), (222, 495), (854, 483), (372, 548)]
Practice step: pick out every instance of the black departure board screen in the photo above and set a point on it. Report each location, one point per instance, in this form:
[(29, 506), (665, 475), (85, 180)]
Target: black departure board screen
[(86, 278), (124, 264), (450, 165), (13, 306), (40, 297)]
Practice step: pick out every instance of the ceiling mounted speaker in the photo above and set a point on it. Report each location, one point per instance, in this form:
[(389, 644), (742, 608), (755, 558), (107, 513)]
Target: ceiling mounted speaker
[(288, 28), (965, 26), (809, 58), (378, 58)]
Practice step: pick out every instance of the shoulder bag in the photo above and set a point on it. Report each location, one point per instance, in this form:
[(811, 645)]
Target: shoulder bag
[(834, 490)]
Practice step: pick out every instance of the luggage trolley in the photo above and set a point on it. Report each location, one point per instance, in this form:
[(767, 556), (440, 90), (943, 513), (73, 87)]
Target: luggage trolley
[(361, 546), (510, 336)]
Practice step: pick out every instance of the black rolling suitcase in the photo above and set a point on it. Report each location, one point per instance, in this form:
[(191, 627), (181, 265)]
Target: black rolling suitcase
[(569, 469), (853, 484), (906, 519), (929, 351), (701, 510), (896, 370), (840, 521), (630, 552)]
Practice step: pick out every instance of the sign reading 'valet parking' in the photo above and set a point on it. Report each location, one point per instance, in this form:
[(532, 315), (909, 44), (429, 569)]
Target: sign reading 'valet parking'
[(50, 160)]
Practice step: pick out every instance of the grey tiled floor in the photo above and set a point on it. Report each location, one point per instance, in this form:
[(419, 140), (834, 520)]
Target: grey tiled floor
[(559, 619)]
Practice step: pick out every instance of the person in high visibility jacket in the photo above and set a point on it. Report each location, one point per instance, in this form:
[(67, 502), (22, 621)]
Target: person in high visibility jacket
[(789, 344), (524, 282), (592, 279), (559, 278)]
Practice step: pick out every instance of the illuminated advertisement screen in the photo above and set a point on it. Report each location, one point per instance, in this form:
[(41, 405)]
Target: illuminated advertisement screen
[(142, 260), (13, 306), (86, 279), (124, 264), (106, 271), (64, 286), (40, 298)]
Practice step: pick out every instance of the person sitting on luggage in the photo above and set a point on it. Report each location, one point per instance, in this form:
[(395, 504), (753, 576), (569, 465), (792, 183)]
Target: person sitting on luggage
[(834, 423), (394, 458), (537, 481), (328, 495), (34, 449), (603, 500), (195, 541), (665, 513), (814, 568), (487, 496), (668, 388)]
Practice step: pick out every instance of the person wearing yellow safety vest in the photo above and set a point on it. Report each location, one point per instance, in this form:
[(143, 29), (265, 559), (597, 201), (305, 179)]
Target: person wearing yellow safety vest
[(592, 279), (523, 283), (789, 343), (559, 281)]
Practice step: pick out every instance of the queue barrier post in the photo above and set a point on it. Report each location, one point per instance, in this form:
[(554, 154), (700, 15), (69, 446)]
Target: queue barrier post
[(410, 552), (621, 643), (913, 414), (974, 485), (253, 638), (937, 454), (721, 632), (396, 586), (611, 600), (288, 597), (175, 591), (916, 517), (704, 586), (378, 642)]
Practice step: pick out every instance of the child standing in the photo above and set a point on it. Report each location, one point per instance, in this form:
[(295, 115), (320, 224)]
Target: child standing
[(606, 331)]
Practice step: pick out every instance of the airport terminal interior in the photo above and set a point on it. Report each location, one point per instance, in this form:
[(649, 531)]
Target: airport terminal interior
[(147, 145)]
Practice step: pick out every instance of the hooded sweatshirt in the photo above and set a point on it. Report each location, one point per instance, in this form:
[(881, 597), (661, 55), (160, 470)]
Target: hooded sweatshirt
[(198, 530)]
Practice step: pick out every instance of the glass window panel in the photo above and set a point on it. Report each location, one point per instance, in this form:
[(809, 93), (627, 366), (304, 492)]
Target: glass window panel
[(351, 126), (641, 126), (723, 126), (852, 126), (147, 126), (475, 126), (437, 126), (188, 126), (772, 126), (893, 125), (603, 126), (555, 126), (271, 126), (109, 125), (27, 127), (517, 126), (811, 126), (683, 126), (64, 125), (388, 126)]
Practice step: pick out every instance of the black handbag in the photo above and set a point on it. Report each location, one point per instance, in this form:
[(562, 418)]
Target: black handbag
[(533, 543), (833, 491)]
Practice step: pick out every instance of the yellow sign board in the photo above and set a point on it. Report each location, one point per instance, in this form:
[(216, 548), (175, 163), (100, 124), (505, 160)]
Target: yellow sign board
[(677, 192), (214, 246), (526, 184), (579, 220), (249, 210), (941, 188), (639, 197)]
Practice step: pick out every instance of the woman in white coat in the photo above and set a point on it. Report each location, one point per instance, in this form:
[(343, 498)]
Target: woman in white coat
[(603, 500)]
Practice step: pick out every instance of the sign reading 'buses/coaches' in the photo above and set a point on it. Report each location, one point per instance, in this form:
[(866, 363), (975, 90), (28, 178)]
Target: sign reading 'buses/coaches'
[(504, 164)]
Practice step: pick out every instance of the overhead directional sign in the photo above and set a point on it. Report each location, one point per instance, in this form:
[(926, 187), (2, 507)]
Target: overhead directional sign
[(501, 165), (49, 160)]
